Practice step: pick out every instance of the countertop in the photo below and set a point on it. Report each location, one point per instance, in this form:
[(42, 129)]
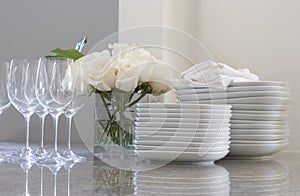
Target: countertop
[(279, 176)]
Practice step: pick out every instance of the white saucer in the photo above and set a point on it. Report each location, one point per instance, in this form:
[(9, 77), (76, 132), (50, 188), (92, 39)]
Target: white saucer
[(178, 138), (265, 122), (254, 142), (184, 149)]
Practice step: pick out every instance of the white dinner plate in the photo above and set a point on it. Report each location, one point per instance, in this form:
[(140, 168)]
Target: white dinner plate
[(231, 95), (181, 156), (182, 105), (183, 133), (269, 122), (257, 150), (258, 142), (184, 149), (181, 125), (261, 117), (175, 130), (247, 100), (184, 120), (191, 90), (177, 143), (259, 107), (257, 126), (181, 138), (259, 131), (260, 137), (184, 115), (260, 83), (182, 110), (204, 146), (260, 112)]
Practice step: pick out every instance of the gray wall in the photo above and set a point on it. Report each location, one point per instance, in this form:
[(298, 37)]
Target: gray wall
[(31, 28)]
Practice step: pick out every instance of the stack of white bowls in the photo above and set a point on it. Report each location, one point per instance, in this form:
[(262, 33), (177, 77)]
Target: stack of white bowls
[(210, 180), (257, 177), (259, 122), (182, 132)]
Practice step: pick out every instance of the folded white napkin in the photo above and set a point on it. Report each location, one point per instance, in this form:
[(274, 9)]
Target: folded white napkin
[(218, 75)]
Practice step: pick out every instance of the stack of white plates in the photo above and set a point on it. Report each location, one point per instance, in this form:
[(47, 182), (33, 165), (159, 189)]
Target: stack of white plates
[(259, 125), (257, 177), (183, 180), (182, 132)]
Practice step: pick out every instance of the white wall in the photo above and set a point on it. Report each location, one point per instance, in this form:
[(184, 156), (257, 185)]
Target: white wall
[(262, 35), (30, 29)]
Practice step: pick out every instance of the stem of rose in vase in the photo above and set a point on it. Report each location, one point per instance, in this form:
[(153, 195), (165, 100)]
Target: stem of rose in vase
[(118, 130)]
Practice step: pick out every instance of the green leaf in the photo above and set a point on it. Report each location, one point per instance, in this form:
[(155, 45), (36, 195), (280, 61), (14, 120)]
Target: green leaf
[(70, 53)]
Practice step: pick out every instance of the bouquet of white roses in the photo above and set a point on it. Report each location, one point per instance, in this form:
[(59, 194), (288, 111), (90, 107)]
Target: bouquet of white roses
[(127, 69)]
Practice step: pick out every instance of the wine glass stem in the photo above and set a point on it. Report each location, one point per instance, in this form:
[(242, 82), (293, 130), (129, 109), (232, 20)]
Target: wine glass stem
[(27, 122), (55, 118), (70, 130), (42, 119)]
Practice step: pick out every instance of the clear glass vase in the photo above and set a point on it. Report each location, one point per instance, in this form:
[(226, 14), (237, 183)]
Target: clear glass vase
[(114, 121)]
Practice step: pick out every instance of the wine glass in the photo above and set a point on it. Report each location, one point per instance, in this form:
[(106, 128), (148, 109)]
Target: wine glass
[(81, 93), (54, 93), (22, 95), (4, 100)]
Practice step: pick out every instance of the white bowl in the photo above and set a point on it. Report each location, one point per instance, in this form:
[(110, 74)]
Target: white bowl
[(184, 149), (260, 83), (259, 107), (258, 126), (254, 142), (261, 117), (264, 122), (182, 110)]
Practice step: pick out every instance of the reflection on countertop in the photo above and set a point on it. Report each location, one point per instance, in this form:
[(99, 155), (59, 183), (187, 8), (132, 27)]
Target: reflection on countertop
[(279, 176)]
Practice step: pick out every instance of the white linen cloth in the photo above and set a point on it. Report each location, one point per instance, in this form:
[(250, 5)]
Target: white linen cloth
[(218, 75)]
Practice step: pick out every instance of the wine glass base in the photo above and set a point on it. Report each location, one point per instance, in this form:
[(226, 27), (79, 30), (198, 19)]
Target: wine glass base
[(69, 155), (52, 159), (24, 155), (41, 153)]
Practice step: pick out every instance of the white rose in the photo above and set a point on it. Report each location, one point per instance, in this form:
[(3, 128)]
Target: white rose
[(95, 70)]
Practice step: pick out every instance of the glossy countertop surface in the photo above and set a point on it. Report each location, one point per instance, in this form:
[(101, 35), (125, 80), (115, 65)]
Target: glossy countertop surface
[(279, 176)]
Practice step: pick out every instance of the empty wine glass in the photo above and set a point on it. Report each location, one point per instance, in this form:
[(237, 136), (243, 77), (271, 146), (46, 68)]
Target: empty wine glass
[(54, 93), (81, 93), (4, 100), (22, 95)]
